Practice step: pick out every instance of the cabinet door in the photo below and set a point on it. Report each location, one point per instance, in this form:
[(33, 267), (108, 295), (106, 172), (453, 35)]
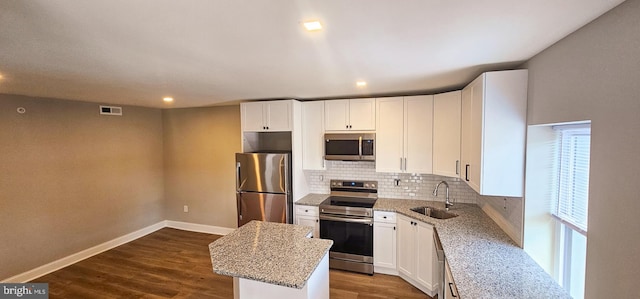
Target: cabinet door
[(424, 255), (475, 157), (465, 134), (418, 128), (313, 135), (309, 221), (362, 114), (389, 136), (336, 115), (406, 246), (384, 245), (253, 117), (447, 109), (278, 115)]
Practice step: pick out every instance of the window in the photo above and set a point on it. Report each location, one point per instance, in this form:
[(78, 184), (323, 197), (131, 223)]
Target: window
[(571, 205)]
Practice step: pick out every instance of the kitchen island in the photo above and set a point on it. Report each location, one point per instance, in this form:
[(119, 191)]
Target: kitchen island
[(273, 260)]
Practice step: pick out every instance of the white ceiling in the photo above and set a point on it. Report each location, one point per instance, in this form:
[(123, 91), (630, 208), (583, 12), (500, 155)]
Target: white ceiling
[(207, 52)]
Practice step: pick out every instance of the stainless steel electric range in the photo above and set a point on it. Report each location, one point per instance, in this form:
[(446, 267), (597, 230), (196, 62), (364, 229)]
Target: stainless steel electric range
[(346, 217)]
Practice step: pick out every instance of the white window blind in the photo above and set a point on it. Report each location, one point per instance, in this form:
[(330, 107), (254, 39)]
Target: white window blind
[(573, 176)]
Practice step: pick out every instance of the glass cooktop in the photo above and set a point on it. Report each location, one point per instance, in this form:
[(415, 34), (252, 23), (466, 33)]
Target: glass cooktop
[(344, 201)]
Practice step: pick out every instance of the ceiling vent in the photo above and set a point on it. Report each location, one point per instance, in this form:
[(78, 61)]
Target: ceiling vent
[(110, 110)]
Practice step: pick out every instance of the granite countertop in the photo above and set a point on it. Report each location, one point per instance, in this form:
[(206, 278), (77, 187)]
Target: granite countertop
[(312, 199), (274, 253), (484, 261)]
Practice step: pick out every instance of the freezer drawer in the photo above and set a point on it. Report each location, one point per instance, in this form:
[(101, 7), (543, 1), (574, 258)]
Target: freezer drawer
[(264, 207)]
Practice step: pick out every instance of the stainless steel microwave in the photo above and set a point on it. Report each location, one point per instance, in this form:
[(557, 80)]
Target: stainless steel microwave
[(350, 146)]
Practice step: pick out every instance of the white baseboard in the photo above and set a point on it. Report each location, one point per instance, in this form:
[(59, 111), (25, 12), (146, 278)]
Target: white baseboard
[(79, 256), (87, 253), (503, 223), (200, 228)]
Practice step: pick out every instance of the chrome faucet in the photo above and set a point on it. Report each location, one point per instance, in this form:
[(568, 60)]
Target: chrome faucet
[(447, 203)]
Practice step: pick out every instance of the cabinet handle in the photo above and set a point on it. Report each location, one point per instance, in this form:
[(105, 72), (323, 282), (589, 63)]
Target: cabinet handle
[(267, 128), (466, 172), (457, 166), (400, 163), (385, 217), (306, 211), (317, 220), (405, 164), (394, 228), (451, 290)]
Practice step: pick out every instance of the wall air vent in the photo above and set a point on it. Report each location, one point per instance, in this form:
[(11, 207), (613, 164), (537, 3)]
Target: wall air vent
[(110, 110)]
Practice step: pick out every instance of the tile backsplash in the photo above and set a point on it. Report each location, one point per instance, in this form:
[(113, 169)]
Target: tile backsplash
[(411, 186)]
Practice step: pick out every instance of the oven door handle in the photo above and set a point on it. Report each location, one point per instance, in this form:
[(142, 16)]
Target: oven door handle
[(343, 219)]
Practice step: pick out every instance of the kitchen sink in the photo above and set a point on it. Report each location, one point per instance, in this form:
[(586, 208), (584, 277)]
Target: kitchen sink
[(434, 213)]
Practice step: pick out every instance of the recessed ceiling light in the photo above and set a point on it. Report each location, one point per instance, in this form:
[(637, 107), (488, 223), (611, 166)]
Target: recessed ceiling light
[(168, 99), (312, 25), (361, 83)]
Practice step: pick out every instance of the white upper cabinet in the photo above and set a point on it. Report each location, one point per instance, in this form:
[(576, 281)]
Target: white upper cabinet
[(313, 135), (390, 134), (350, 115), (494, 108), (269, 116), (404, 134), (447, 113)]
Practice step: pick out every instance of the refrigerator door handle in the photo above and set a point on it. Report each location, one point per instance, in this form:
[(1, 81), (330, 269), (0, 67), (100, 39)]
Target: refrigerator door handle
[(239, 202), (238, 185)]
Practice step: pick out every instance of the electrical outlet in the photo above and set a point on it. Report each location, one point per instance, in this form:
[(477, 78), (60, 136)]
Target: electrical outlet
[(186, 208)]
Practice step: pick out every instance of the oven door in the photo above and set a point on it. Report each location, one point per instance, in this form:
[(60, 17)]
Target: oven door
[(352, 237)]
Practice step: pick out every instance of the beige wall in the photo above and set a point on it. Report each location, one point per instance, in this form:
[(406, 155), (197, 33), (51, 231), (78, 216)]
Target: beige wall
[(595, 74), (199, 148), (71, 179)]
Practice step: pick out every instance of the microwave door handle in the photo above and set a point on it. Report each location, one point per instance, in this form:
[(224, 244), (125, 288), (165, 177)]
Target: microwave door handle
[(360, 147)]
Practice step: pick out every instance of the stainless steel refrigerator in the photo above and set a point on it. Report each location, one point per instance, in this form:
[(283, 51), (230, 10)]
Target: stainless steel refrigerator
[(263, 187)]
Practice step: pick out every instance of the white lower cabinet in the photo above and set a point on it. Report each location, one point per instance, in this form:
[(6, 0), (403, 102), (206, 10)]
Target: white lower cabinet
[(384, 243), (416, 254), (308, 216), (450, 289)]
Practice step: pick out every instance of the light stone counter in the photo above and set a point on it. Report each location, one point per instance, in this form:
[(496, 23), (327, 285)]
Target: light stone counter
[(273, 253), (484, 261), (312, 199)]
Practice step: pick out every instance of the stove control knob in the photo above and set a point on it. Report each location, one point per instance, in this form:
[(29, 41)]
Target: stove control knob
[(373, 185), (366, 185)]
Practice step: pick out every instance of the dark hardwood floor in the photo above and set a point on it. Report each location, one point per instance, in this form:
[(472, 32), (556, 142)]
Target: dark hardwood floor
[(171, 263)]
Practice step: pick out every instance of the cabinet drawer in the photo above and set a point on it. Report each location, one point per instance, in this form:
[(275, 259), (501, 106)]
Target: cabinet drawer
[(306, 211), (384, 217)]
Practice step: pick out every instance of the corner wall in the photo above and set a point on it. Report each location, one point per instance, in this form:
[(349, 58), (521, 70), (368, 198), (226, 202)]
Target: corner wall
[(594, 74), (199, 155), (71, 178)]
